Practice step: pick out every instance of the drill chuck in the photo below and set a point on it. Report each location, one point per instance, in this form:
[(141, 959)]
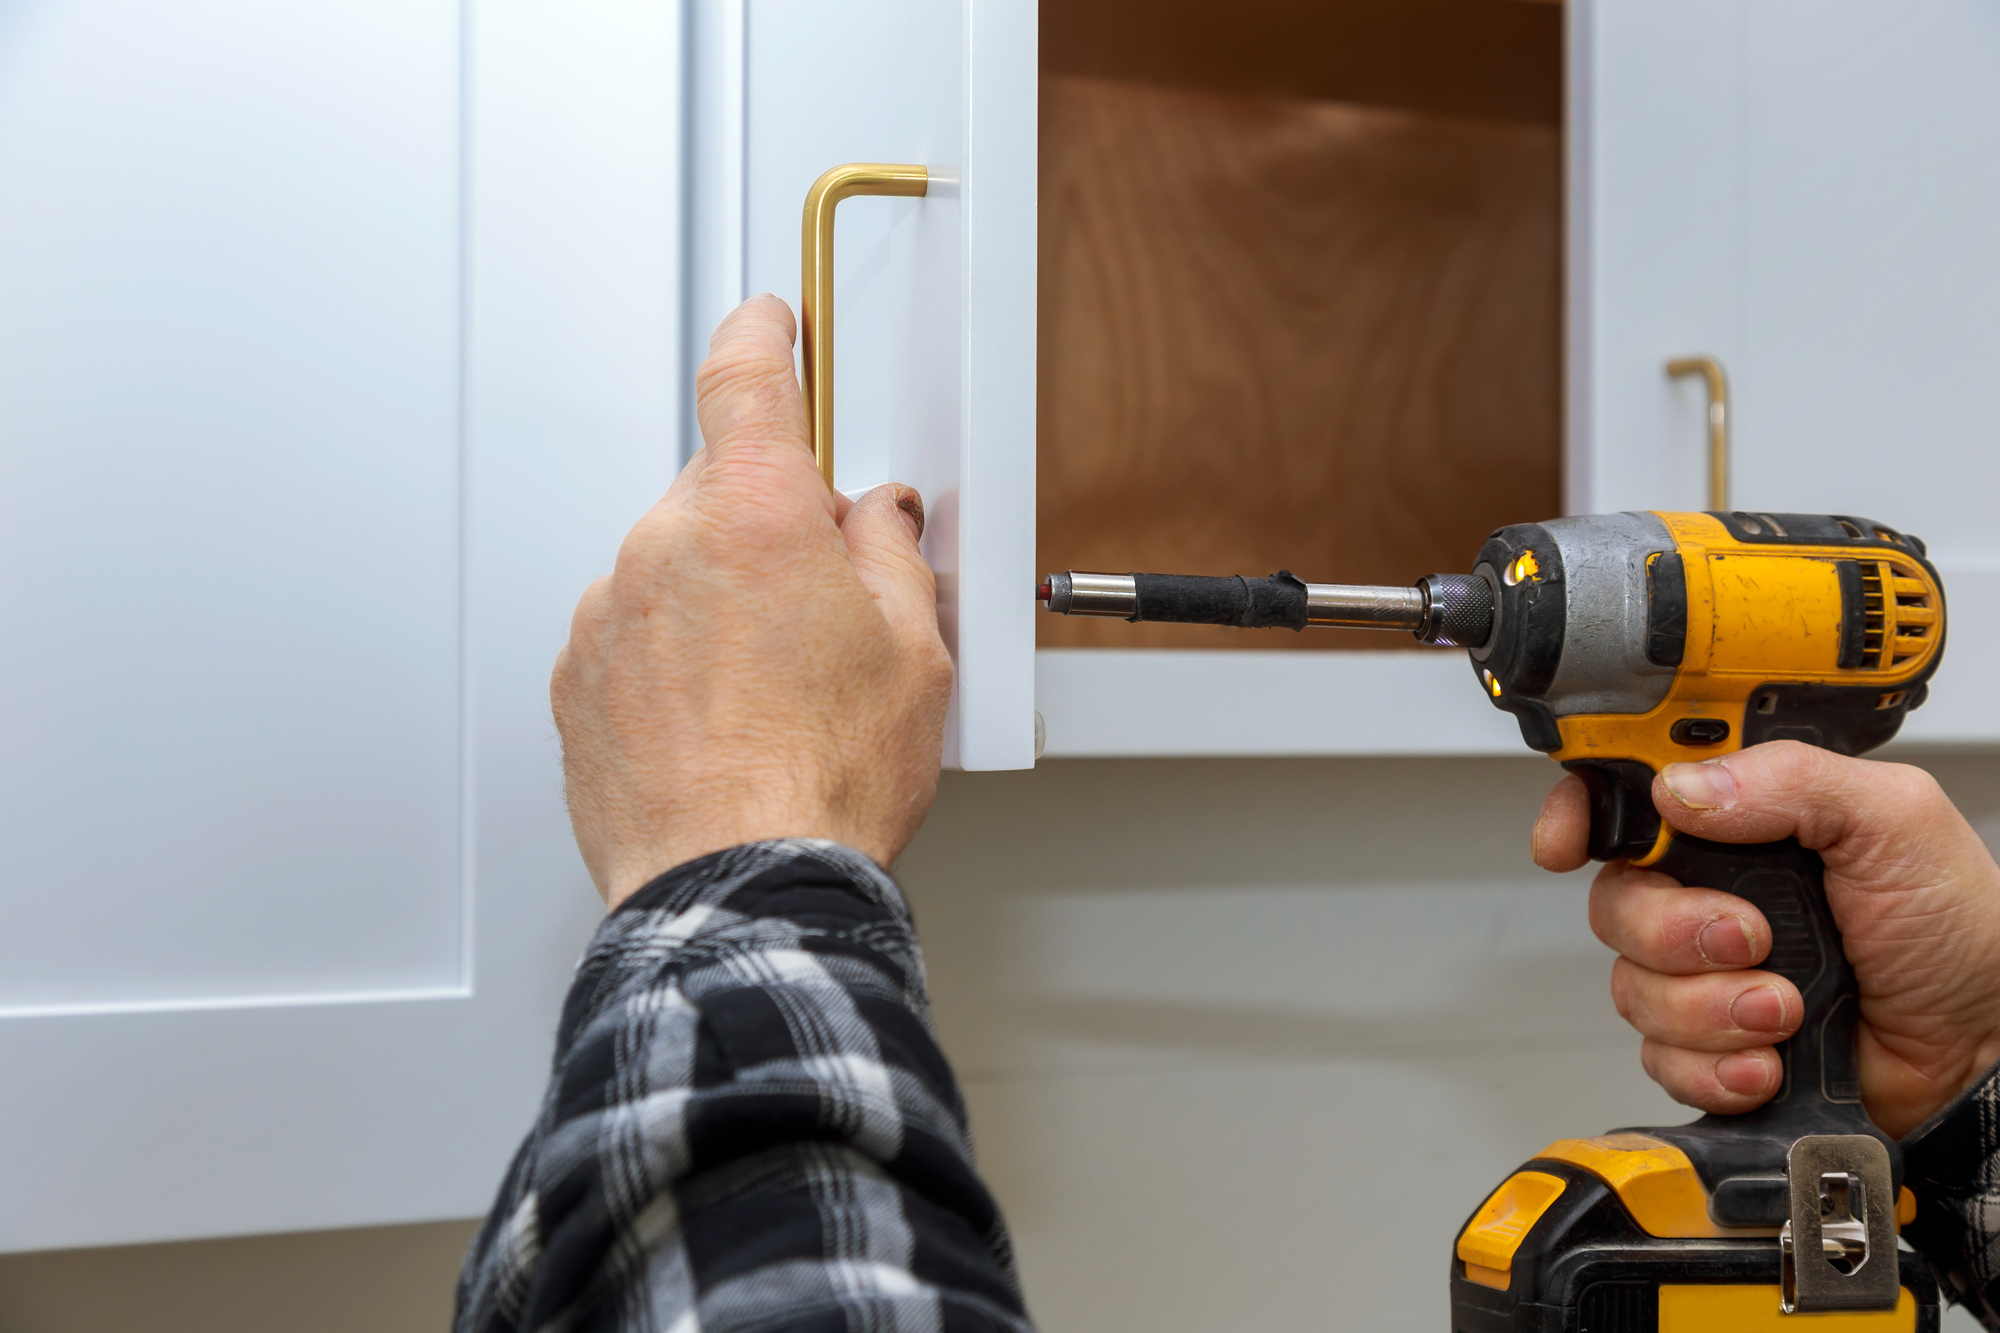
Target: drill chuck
[(1454, 610), (1458, 610)]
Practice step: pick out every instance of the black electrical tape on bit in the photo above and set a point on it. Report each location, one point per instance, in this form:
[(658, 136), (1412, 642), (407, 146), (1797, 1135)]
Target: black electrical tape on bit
[(1278, 602)]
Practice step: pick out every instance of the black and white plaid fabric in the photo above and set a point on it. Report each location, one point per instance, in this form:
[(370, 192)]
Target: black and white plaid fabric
[(749, 1125), (1952, 1165), (750, 1129)]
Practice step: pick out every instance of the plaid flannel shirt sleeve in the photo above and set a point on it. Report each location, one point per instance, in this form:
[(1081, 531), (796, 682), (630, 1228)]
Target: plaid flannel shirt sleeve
[(749, 1125), (1952, 1165)]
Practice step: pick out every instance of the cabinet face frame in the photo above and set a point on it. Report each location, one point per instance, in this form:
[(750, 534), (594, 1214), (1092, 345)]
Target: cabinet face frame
[(351, 1105)]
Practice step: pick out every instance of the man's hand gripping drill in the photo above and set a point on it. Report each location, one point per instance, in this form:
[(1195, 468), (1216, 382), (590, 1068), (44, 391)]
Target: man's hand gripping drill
[(1647, 653)]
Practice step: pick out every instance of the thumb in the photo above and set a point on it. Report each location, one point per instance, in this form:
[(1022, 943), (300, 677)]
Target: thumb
[(881, 531), (753, 418), (1786, 789)]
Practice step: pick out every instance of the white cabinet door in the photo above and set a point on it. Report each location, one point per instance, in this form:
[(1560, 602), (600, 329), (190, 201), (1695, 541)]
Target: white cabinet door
[(935, 296), (1809, 190), (338, 347)]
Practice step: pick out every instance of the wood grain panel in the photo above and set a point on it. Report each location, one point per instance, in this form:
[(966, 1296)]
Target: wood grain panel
[(1289, 334), (1496, 59)]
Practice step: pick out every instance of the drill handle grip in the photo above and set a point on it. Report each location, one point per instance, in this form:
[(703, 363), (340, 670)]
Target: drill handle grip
[(1787, 883), (1742, 1158), (1821, 1088)]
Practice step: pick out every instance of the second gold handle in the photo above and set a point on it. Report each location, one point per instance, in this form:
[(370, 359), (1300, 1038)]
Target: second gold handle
[(816, 285), (1718, 422)]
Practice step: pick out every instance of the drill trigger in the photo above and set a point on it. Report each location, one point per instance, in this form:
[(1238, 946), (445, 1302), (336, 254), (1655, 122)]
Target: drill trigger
[(1623, 821), (1661, 841)]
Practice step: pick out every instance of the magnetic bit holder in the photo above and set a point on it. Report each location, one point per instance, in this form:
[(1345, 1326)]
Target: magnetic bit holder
[(1451, 610), (816, 281)]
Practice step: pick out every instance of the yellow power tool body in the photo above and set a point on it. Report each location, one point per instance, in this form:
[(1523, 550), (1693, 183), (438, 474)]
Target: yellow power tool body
[(1622, 643)]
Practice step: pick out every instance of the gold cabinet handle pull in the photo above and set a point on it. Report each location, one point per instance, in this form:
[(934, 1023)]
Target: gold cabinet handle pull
[(1718, 422), (816, 287)]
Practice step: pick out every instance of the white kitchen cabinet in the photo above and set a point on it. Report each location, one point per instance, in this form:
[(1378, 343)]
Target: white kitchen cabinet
[(1805, 189), (340, 342), (1808, 190), (338, 347)]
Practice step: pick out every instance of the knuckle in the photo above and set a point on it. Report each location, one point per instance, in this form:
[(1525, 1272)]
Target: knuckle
[(766, 532), (1777, 771), (1624, 991), (750, 377), (1794, 757), (643, 550), (760, 495), (561, 681), (1612, 904), (1920, 795), (586, 623), (1602, 912), (1662, 1065), (935, 665), (1885, 805)]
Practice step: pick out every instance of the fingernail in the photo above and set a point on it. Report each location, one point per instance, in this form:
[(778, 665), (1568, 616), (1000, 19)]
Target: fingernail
[(1759, 1009), (912, 506), (1726, 940), (1746, 1073), (1703, 786), (1535, 840)]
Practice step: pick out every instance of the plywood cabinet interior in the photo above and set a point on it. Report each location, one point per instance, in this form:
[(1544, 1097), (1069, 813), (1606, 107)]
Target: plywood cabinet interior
[(1300, 293)]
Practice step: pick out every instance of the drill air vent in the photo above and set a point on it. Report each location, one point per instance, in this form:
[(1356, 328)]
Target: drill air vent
[(1899, 615)]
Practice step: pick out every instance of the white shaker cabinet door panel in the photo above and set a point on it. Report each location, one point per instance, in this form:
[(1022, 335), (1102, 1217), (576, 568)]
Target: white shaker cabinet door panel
[(1871, 314), (336, 349), (935, 296), (1808, 190), (229, 514)]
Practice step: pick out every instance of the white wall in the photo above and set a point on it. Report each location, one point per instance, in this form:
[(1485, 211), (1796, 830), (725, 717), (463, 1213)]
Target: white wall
[(1244, 1041)]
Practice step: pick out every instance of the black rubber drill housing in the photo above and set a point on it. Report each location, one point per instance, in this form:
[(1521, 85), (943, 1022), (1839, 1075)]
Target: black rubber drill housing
[(1530, 619)]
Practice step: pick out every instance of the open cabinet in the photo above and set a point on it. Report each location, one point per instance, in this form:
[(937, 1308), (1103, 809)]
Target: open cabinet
[(1341, 287), (1301, 294), (345, 339)]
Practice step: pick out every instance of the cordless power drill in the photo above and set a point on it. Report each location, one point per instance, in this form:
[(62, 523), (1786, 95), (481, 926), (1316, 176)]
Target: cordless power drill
[(1623, 643)]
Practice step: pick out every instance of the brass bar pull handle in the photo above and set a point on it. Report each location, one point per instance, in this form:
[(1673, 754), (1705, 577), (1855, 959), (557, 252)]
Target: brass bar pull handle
[(1718, 422), (816, 287)]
